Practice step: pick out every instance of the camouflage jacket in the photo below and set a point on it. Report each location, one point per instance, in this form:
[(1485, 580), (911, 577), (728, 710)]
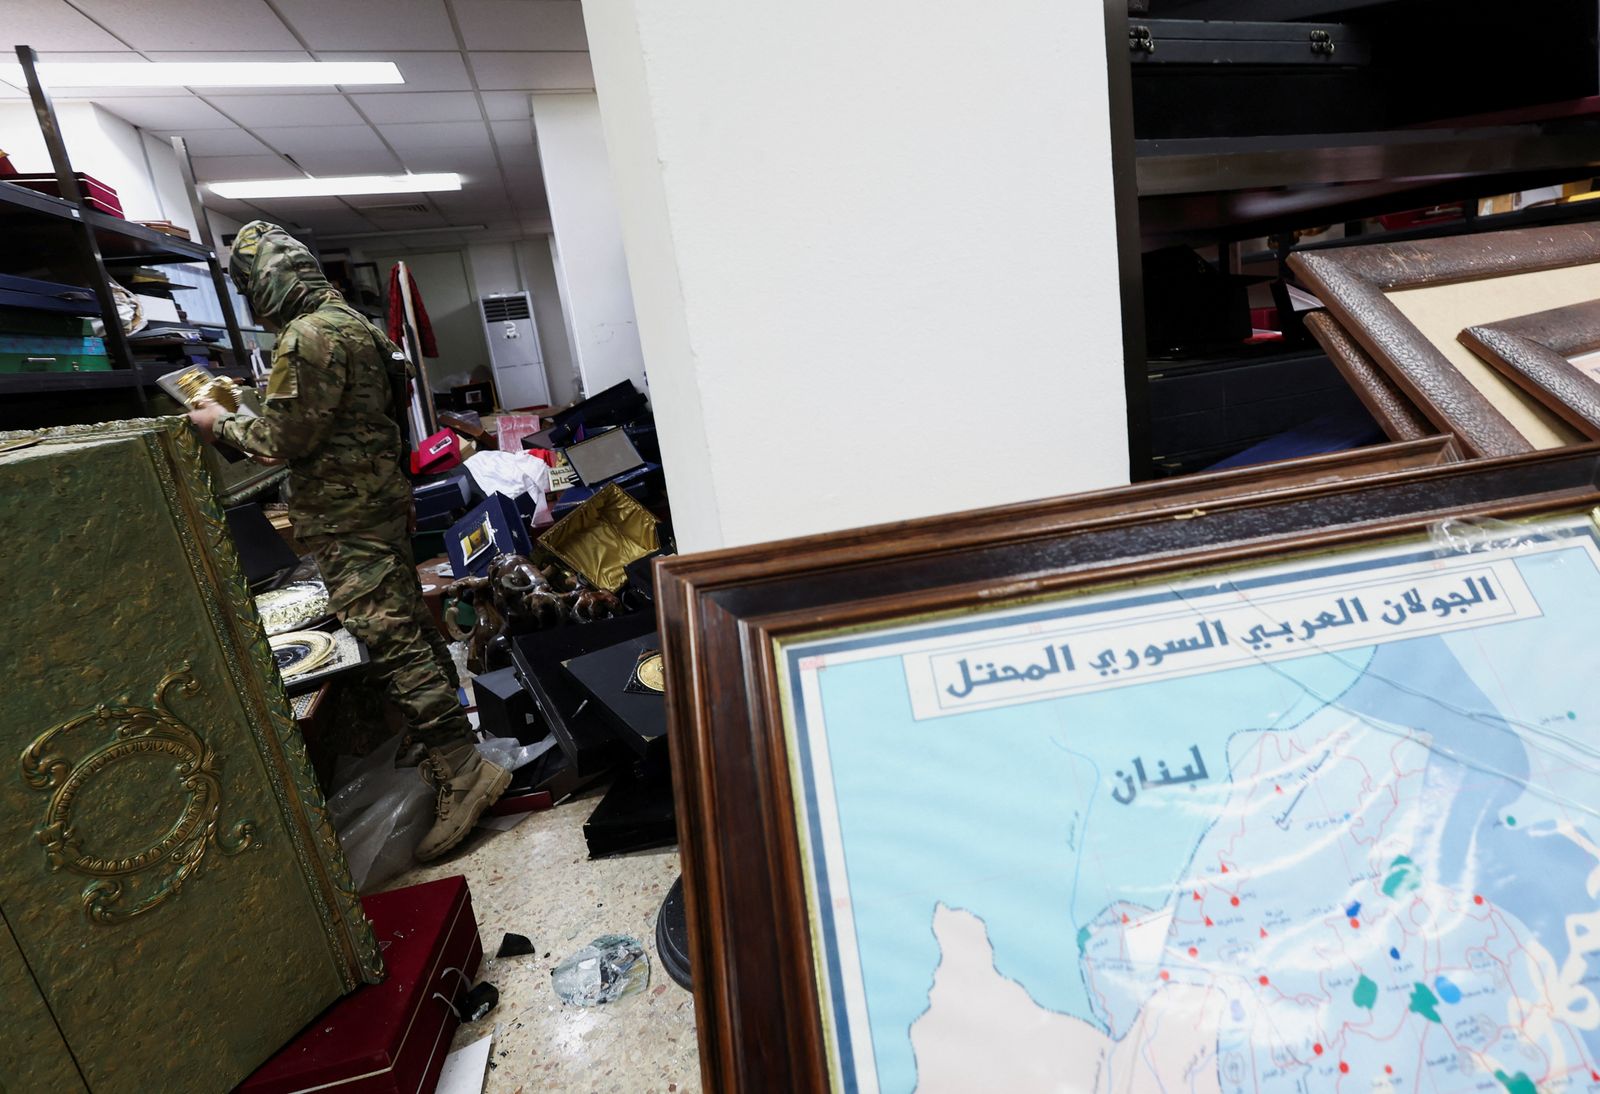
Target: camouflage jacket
[(328, 400)]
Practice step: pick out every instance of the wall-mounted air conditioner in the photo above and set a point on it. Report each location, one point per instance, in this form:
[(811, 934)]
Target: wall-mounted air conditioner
[(519, 377)]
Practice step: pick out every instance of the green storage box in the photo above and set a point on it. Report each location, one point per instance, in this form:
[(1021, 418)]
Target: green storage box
[(174, 904)]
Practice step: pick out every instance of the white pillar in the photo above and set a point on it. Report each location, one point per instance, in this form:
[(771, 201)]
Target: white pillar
[(873, 254), (593, 272)]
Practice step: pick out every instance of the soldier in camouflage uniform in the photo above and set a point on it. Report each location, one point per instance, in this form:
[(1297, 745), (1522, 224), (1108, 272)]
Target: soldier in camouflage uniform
[(328, 412)]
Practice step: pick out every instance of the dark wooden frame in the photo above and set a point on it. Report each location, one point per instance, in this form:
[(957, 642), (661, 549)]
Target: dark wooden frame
[(1532, 352), (756, 1001), (1395, 414), (1352, 283)]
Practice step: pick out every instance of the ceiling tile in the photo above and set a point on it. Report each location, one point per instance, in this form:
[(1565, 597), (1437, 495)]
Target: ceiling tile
[(229, 168), (320, 138), (221, 142), (167, 113), (254, 111), (470, 163), (52, 25), (533, 71), (490, 199), (370, 24), (344, 161), (241, 211), (518, 24), (301, 206), (507, 105), (426, 136), (333, 150), (191, 24), (518, 134), (420, 106), (425, 71)]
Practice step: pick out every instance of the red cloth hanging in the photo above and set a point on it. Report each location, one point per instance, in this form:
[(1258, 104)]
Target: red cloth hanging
[(397, 314)]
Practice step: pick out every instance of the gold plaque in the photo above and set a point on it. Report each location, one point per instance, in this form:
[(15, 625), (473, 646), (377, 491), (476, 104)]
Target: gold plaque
[(651, 672)]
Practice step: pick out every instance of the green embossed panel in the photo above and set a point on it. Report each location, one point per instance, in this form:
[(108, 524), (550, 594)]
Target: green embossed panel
[(166, 862), (33, 1055)]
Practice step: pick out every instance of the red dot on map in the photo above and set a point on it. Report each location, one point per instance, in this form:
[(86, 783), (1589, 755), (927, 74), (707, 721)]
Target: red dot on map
[(1317, 1048), (1196, 894), (1595, 1075), (1387, 1070), (1224, 867), (1165, 975), (1124, 917), (1263, 980), (1477, 899), (1263, 932), (1277, 789), (1208, 922), (1234, 901), (1344, 1068), (1355, 922), (1193, 952)]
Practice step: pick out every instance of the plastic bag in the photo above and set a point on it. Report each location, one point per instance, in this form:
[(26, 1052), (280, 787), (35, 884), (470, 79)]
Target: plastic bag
[(381, 812), (510, 753)]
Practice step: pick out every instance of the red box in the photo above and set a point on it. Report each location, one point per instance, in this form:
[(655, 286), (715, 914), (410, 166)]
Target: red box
[(390, 1037), (440, 452), (96, 193)]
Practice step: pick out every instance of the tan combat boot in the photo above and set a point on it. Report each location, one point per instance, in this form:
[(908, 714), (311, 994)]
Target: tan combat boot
[(467, 784)]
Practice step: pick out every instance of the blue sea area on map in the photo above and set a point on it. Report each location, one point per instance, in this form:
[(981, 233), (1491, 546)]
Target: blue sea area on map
[(1007, 813)]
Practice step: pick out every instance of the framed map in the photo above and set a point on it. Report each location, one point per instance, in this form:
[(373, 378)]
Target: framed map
[(1262, 829), (1257, 781)]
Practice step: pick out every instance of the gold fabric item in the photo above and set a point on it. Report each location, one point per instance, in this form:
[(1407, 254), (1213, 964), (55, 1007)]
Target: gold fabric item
[(603, 535)]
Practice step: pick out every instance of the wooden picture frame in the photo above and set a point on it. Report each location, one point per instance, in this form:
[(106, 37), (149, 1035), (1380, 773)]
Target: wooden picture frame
[(1395, 414), (1536, 351), (1405, 303), (723, 615)]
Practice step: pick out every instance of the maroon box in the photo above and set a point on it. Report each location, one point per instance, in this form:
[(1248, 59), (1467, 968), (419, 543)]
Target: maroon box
[(394, 1036), (96, 193)]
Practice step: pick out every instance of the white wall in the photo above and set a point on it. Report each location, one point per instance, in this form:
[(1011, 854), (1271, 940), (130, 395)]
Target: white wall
[(489, 267), (872, 252), (591, 268), (143, 170)]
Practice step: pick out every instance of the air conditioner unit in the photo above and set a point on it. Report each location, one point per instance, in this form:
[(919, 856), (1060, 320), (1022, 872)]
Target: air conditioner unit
[(519, 377)]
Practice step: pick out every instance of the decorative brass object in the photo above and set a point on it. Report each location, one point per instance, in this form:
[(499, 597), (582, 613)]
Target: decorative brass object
[(299, 652), (194, 383), (651, 671), (174, 855)]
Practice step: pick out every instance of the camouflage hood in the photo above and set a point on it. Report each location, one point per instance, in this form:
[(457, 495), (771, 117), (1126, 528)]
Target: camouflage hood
[(278, 273)]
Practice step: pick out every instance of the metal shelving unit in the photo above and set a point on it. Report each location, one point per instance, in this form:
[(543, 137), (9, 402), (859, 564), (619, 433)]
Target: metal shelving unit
[(37, 223)]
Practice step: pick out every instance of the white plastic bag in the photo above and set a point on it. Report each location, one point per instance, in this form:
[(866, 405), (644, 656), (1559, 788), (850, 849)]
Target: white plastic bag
[(381, 812), (510, 753)]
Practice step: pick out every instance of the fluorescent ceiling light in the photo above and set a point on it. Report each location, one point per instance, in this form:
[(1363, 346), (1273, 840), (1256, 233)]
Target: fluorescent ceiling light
[(63, 74), (348, 186)]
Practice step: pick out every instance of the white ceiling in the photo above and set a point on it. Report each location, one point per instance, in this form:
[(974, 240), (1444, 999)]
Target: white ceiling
[(469, 68)]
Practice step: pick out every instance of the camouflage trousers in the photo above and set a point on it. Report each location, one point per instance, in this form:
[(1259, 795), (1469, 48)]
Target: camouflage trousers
[(372, 587)]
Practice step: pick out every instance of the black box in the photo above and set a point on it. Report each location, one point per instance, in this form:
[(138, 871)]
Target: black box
[(572, 714), (638, 716), (505, 709)]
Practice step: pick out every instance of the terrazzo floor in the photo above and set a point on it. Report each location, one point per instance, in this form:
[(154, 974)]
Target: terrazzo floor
[(537, 880)]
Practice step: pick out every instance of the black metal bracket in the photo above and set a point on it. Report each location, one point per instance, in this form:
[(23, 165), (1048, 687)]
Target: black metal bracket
[(67, 182)]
